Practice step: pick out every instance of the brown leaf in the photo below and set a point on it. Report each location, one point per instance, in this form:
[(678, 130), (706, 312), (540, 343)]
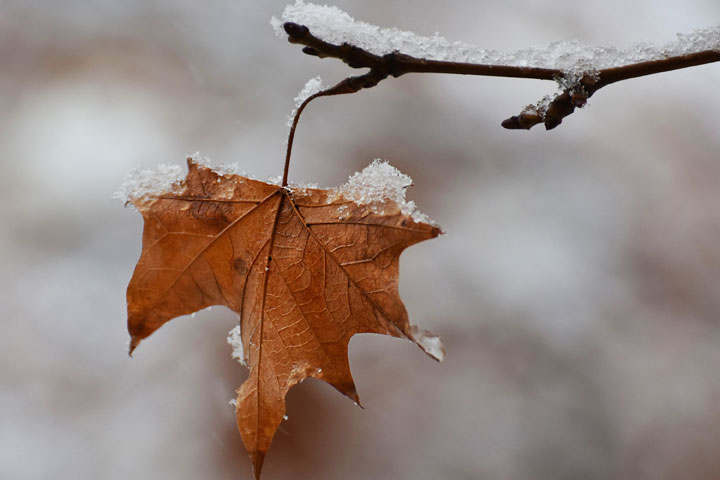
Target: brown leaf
[(305, 268)]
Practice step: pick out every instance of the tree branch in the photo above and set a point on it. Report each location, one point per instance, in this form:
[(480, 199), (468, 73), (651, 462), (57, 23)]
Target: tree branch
[(551, 114)]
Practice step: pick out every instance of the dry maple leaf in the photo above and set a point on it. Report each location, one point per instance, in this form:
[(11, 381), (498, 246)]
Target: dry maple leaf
[(305, 269)]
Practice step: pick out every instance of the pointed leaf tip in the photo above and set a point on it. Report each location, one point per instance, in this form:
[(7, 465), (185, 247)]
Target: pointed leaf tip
[(134, 342), (355, 398), (257, 460)]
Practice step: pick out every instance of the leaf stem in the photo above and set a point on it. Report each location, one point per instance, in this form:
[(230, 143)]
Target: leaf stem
[(349, 85), (291, 136)]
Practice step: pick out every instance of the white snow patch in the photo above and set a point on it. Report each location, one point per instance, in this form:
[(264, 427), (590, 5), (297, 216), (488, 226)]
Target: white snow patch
[(222, 169), (149, 182), (235, 340), (166, 178), (380, 183), (377, 186), (429, 342), (313, 86), (335, 26)]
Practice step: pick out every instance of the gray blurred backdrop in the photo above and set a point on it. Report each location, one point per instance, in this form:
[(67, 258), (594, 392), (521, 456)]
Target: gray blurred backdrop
[(577, 287)]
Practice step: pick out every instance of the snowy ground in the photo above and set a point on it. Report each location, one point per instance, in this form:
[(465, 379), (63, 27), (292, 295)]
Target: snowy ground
[(577, 288)]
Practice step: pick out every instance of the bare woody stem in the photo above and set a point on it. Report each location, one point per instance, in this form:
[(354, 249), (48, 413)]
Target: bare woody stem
[(396, 64), (349, 85)]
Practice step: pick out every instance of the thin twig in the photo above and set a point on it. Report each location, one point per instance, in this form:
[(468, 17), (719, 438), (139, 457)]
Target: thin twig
[(349, 85), (396, 64)]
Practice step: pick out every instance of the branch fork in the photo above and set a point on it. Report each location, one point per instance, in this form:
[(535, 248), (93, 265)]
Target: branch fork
[(574, 95)]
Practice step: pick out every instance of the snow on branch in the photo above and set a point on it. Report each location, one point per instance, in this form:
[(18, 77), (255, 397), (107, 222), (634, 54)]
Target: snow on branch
[(334, 26), (579, 69)]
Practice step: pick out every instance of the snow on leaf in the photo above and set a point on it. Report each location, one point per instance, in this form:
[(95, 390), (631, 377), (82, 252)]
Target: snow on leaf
[(139, 184), (380, 184), (302, 279), (234, 339)]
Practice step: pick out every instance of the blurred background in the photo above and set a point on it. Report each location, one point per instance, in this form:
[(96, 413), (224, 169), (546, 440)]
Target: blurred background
[(577, 287)]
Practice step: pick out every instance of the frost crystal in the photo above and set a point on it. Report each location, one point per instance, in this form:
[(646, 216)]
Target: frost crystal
[(313, 86), (142, 183), (302, 187), (335, 26), (222, 169), (379, 184), (235, 340), (431, 343), (540, 108), (343, 212)]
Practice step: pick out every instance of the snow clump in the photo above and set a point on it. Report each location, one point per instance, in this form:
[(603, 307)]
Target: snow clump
[(138, 183), (313, 86), (234, 339), (379, 183), (334, 26)]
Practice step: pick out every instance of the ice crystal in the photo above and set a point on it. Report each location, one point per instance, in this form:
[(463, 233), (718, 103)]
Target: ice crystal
[(335, 26), (149, 182), (313, 86), (235, 340)]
